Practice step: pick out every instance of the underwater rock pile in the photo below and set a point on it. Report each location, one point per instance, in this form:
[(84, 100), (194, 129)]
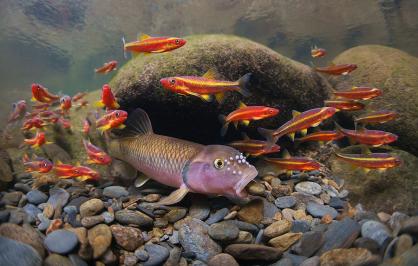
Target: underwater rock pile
[(304, 219)]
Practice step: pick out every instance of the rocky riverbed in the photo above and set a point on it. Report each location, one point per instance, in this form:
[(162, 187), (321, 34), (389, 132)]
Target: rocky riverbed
[(304, 219)]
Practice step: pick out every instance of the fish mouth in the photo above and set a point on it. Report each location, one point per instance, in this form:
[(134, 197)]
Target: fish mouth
[(243, 182)]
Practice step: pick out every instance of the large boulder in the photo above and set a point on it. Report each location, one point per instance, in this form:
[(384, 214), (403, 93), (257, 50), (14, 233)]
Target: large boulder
[(276, 81), (393, 190), (396, 73)]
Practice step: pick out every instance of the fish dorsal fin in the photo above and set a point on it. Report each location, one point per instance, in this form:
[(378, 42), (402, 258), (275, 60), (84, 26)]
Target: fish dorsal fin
[(295, 113), (138, 123), (59, 162), (210, 74), (286, 154), (245, 136), (77, 164), (242, 105), (142, 37)]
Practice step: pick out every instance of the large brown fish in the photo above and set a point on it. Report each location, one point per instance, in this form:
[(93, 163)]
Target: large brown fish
[(188, 166)]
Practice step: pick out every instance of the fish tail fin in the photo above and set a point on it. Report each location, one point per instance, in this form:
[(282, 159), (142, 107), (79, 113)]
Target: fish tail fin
[(243, 83), (268, 134), (225, 124), (123, 47)]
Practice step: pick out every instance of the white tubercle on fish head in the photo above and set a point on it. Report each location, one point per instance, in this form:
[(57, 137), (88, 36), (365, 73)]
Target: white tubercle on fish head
[(219, 170)]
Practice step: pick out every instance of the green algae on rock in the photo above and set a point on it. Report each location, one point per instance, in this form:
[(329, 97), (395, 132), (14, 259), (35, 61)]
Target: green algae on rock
[(276, 81), (396, 73)]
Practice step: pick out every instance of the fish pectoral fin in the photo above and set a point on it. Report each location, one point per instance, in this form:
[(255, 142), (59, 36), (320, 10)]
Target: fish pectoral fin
[(220, 97), (366, 170), (381, 170), (289, 172), (205, 97), (141, 180), (245, 122), (304, 132), (99, 104), (122, 126), (175, 196), (292, 136), (236, 124)]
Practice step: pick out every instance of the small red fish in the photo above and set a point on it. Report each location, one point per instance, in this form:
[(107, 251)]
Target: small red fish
[(359, 93), (33, 123), (38, 164), (254, 147), (206, 86), (369, 161), (41, 94), (86, 127), (112, 119), (107, 100), (378, 117), (321, 136), (343, 69), (345, 105), (318, 52), (81, 173), (290, 164), (18, 112), (78, 96), (300, 122), (65, 103), (107, 67), (37, 141), (95, 154), (245, 114), (147, 44), (374, 138)]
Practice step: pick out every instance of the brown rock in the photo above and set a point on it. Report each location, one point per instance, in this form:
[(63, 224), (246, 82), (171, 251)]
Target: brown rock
[(284, 242), (252, 212), (25, 234), (351, 256), (91, 207), (255, 188), (244, 237), (85, 251), (128, 238), (253, 252), (57, 260), (277, 228), (100, 238), (222, 259)]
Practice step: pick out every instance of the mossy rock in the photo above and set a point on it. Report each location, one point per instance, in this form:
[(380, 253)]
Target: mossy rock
[(396, 73), (276, 81), (393, 190)]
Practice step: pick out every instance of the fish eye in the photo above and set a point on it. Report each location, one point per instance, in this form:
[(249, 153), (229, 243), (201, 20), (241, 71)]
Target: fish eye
[(172, 81), (76, 171), (218, 163), (177, 41), (117, 114)]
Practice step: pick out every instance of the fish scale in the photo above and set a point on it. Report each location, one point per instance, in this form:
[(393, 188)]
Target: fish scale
[(161, 155)]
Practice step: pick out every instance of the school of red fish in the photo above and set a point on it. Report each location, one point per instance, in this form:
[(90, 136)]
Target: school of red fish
[(192, 167)]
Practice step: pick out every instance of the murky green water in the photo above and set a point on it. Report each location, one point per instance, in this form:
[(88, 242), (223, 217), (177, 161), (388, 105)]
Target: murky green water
[(58, 43)]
